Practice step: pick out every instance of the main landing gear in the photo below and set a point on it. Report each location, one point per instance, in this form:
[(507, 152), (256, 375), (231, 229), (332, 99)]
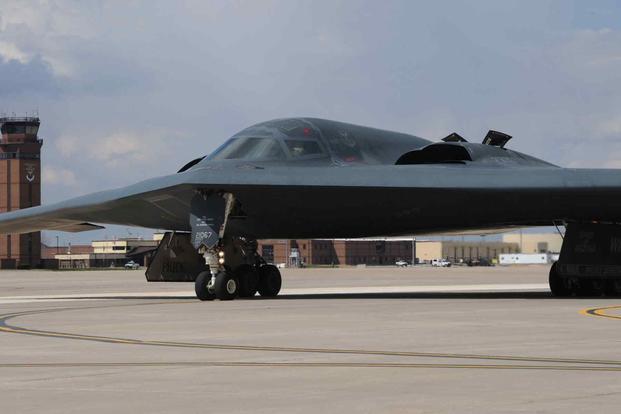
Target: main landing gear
[(582, 286), (590, 261)]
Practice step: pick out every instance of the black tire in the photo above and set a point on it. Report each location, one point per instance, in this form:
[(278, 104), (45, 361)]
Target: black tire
[(226, 287), (248, 281), (270, 281), (200, 286), (589, 287), (557, 284), (610, 288)]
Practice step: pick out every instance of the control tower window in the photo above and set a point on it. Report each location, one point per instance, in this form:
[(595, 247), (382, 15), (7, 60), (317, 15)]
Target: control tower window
[(303, 148), (252, 148), (14, 129)]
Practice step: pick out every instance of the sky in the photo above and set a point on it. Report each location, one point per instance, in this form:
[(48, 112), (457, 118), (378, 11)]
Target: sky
[(128, 90)]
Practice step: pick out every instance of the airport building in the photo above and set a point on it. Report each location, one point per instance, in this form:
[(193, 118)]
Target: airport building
[(20, 187), (379, 251), (531, 243), (122, 246), (462, 251), (100, 253), (336, 252)]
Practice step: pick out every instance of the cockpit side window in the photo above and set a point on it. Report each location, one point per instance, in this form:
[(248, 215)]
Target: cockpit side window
[(303, 148), (252, 148), (346, 146)]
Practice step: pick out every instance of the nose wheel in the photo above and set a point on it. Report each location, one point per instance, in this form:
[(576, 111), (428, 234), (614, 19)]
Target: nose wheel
[(226, 286), (223, 286), (203, 286)]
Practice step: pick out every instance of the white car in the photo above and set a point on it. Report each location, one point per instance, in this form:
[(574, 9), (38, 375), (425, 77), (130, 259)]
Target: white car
[(132, 265), (401, 263), (440, 263)]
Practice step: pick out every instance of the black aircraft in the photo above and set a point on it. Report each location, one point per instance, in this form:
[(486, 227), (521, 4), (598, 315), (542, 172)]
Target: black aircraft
[(313, 178)]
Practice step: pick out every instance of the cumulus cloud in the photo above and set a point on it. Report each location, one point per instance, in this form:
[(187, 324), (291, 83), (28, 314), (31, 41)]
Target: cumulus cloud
[(52, 175), (9, 51), (45, 29), (118, 148)]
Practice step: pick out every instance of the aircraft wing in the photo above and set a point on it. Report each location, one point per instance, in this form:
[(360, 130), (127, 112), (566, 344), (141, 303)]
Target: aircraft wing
[(282, 202)]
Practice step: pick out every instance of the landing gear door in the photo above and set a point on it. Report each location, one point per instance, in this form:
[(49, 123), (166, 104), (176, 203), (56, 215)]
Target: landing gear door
[(207, 217), (175, 260), (591, 250)]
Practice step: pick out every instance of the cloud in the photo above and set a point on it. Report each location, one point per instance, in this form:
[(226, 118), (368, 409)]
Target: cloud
[(609, 127), (32, 79), (118, 148), (52, 175), (9, 51), (47, 30)]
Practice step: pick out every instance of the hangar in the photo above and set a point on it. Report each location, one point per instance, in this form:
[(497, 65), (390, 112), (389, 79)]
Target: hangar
[(457, 251)]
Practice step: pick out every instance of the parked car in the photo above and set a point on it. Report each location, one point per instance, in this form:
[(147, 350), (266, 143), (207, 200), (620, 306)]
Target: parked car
[(132, 265), (480, 262), (440, 263), (401, 263)]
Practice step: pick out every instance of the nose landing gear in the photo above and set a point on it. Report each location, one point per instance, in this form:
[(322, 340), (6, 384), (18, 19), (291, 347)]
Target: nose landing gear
[(233, 266), (245, 282)]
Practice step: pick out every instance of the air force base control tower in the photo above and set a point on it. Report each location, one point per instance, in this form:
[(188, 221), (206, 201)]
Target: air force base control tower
[(20, 187)]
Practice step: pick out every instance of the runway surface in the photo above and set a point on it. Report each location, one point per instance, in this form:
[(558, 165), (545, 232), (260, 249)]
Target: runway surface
[(337, 340)]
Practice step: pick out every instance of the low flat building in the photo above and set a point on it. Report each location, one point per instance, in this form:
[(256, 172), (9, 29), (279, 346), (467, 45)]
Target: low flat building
[(100, 253), (121, 246), (336, 252), (378, 251), (531, 243), (52, 256), (462, 251)]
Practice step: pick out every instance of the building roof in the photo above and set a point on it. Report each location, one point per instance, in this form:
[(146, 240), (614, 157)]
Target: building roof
[(49, 252), (140, 250)]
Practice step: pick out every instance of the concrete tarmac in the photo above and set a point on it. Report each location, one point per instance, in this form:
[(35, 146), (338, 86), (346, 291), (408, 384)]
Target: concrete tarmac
[(456, 340)]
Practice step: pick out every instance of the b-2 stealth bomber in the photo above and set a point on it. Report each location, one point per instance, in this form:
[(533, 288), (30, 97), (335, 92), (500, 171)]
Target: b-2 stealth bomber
[(314, 178)]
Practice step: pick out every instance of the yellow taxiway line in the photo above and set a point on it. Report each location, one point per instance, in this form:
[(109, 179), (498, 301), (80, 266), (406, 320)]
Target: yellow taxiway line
[(602, 312)]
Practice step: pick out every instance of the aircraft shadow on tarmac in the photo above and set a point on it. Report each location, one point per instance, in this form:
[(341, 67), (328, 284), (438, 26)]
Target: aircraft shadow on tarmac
[(380, 295), (423, 295)]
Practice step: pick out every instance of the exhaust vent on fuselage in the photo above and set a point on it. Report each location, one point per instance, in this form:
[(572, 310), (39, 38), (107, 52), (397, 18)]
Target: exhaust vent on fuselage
[(436, 154)]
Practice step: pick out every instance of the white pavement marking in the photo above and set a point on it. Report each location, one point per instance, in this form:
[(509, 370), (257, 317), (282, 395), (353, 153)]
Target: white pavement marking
[(530, 287)]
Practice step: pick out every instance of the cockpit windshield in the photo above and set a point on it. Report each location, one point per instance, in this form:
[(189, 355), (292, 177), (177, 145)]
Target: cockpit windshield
[(251, 148), (273, 141), (314, 141)]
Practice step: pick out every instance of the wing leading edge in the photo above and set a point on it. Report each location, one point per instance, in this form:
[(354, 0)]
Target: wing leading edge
[(346, 202)]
